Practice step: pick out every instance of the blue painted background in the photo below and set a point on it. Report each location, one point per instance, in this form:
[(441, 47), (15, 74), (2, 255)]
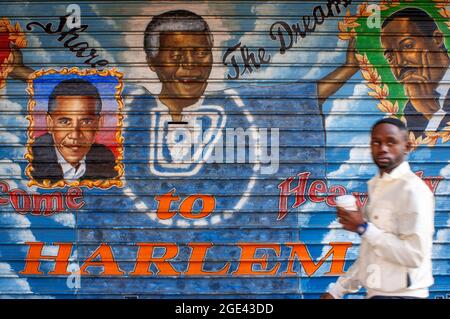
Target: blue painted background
[(281, 94)]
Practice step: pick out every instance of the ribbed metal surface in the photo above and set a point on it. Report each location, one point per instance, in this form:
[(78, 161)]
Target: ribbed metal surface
[(323, 150)]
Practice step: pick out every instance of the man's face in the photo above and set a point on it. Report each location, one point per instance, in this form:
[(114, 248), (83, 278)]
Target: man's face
[(183, 63), (73, 125), (411, 55), (389, 146)]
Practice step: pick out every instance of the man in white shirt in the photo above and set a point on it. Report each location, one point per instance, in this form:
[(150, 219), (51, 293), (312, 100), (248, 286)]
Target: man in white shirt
[(396, 227), (415, 49)]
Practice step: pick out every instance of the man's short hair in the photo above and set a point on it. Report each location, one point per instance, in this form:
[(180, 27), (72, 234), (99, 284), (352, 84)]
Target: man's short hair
[(423, 20), (75, 87), (393, 121), (173, 21)]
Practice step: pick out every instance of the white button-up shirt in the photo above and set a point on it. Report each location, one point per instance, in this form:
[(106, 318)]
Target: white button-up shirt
[(71, 173), (395, 252)]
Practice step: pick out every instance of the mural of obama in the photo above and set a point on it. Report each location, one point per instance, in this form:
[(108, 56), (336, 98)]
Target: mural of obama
[(68, 151), (415, 50)]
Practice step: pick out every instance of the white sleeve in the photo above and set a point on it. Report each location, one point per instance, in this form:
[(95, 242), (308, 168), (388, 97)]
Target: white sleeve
[(415, 232), (347, 283)]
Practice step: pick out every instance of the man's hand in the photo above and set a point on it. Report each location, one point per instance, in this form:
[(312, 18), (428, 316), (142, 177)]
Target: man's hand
[(331, 83), (326, 296), (420, 90), (18, 57), (350, 220), (351, 54), (20, 71)]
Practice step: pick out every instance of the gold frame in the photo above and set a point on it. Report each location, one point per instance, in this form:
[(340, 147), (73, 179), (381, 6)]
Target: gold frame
[(119, 167)]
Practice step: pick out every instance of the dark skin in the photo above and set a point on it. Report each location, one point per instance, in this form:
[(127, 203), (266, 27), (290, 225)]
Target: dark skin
[(389, 146), (331, 83), (183, 65), (20, 71), (418, 62)]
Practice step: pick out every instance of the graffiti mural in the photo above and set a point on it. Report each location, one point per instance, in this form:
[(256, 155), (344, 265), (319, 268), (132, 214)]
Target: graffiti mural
[(195, 150), (62, 146)]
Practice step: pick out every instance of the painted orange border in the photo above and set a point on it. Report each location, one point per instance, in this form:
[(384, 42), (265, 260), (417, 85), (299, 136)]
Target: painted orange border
[(119, 167)]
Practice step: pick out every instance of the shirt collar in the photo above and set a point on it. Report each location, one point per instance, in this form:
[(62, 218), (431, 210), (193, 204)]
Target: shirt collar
[(194, 107), (444, 84), (66, 167), (396, 173)]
